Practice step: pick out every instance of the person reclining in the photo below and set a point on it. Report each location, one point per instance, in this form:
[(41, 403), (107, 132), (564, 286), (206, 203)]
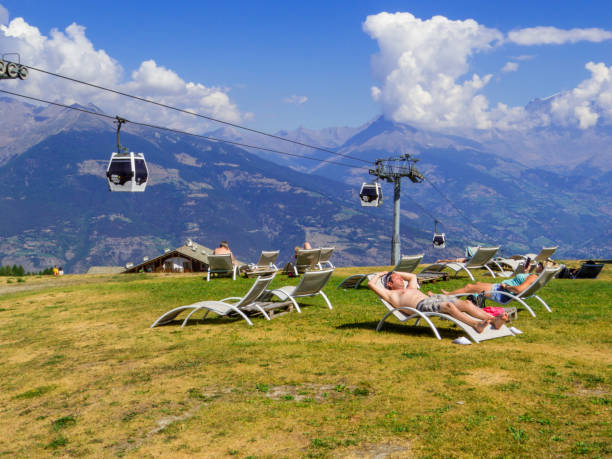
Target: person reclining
[(394, 292), (513, 286), (224, 249)]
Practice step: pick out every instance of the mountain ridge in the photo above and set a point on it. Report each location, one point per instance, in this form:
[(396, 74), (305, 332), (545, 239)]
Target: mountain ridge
[(57, 209)]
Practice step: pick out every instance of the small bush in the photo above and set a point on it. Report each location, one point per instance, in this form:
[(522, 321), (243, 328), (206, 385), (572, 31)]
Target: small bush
[(35, 392), (64, 422), (57, 442), (261, 387)]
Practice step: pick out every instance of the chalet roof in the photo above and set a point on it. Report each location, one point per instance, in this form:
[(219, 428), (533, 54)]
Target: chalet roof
[(195, 252)]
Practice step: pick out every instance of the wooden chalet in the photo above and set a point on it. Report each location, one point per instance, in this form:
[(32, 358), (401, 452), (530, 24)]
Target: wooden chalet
[(190, 258)]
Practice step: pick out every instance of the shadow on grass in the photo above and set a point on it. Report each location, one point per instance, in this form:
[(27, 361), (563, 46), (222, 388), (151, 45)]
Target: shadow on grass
[(206, 321), (413, 330)]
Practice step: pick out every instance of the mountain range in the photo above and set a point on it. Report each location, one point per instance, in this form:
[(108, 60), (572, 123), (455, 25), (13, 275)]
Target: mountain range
[(56, 208)]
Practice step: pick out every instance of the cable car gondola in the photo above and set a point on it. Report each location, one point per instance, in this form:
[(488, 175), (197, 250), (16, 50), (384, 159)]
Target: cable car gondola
[(439, 239), (126, 171), (371, 194)]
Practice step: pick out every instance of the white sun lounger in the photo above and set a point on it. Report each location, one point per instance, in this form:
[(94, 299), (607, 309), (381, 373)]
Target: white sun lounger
[(544, 278), (514, 261), (224, 307), (404, 314), (306, 259), (265, 264), (325, 257), (221, 264), (481, 258), (311, 284), (407, 264)]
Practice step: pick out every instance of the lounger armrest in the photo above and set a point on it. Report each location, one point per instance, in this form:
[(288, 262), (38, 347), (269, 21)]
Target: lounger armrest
[(231, 298)]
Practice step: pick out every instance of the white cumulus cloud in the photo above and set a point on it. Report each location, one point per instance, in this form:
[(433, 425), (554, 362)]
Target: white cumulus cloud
[(294, 99), (424, 71), (589, 102), (72, 54), (554, 36), (423, 66), (510, 67)]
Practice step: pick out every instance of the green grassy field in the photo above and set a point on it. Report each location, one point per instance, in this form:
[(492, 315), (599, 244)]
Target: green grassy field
[(82, 375)]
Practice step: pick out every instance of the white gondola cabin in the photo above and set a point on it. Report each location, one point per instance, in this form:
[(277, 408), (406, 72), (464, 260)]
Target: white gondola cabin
[(371, 194), (127, 172), (439, 239)]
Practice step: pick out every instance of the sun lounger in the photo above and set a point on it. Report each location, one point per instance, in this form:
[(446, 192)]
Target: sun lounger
[(407, 264), (306, 259), (544, 278), (544, 254), (221, 264), (513, 262), (480, 259), (265, 265), (311, 284), (588, 271), (404, 314), (226, 306), (513, 267), (324, 258)]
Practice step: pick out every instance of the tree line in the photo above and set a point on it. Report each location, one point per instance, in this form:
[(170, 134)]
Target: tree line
[(17, 270)]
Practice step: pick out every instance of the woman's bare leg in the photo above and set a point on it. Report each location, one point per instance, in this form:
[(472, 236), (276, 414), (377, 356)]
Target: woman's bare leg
[(477, 287)]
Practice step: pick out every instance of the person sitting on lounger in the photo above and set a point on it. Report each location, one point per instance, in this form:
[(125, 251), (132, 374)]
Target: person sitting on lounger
[(394, 292), (513, 286), (223, 249)]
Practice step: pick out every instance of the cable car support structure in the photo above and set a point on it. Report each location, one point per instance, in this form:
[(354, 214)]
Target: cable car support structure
[(392, 170)]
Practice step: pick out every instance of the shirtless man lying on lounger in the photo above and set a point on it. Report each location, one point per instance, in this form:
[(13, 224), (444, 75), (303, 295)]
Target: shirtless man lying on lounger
[(399, 296)]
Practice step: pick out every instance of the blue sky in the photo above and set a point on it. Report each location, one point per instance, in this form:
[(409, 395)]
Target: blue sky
[(287, 64)]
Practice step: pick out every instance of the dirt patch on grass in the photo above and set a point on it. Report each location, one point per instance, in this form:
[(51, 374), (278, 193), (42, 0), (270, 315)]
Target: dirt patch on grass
[(21, 356), (378, 451), (318, 392), (487, 377)]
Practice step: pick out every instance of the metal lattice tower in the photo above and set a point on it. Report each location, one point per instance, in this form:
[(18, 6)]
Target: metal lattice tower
[(392, 170)]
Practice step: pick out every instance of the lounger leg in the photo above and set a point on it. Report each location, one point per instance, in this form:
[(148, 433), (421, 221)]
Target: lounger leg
[(168, 316), (498, 266), (491, 271), (265, 314), (242, 315), (525, 305), (326, 300), (189, 315), (542, 301), (415, 311), (208, 276), (296, 305), (467, 271)]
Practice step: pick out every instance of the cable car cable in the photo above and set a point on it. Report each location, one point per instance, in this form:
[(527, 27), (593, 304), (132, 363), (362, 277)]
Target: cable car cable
[(210, 118), (177, 131), (456, 208), (424, 210)]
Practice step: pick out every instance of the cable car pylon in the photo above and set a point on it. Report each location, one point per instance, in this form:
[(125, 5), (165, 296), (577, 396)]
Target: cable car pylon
[(392, 170)]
